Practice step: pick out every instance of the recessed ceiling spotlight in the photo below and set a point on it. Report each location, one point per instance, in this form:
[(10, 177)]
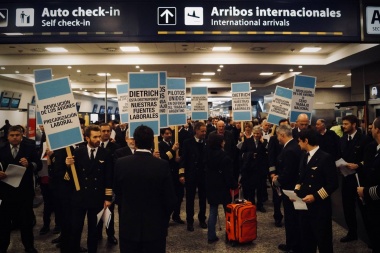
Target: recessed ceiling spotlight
[(137, 67), (17, 72), (56, 49), (104, 74), (141, 70), (221, 66), (338, 85), (266, 73), (221, 49), (78, 71), (218, 70), (300, 67), (69, 67), (349, 74), (291, 70), (205, 79), (310, 49), (130, 49)]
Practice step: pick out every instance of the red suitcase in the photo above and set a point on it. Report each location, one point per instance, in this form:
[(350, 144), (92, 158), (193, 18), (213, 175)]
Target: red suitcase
[(241, 222)]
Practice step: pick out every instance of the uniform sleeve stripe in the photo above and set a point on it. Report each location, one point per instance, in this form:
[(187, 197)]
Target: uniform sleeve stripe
[(373, 194), (272, 169), (169, 154), (322, 193), (108, 192), (298, 186), (181, 171)]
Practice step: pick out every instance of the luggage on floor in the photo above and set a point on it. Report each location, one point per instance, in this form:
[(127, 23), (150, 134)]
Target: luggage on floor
[(241, 222)]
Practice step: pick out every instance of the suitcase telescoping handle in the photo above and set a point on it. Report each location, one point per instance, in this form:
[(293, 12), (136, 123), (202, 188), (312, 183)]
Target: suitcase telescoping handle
[(240, 199)]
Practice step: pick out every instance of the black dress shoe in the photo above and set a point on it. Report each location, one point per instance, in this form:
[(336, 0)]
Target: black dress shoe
[(203, 224), (283, 247), (112, 240), (31, 250), (178, 220), (348, 238), (44, 230), (190, 227), (262, 209), (56, 240), (82, 250), (278, 223), (213, 240)]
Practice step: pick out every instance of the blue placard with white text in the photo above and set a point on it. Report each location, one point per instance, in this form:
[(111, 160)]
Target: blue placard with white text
[(280, 105), (163, 100), (241, 101), (58, 111), (199, 103), (176, 101), (41, 75), (303, 96), (143, 101)]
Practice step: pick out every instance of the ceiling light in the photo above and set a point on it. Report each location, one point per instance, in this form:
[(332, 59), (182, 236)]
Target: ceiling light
[(104, 74), (218, 70), (130, 49), (300, 67), (13, 34), (17, 72), (253, 90), (85, 90), (137, 67), (80, 88), (221, 66), (310, 49), (221, 49), (2, 68), (290, 70), (69, 67), (266, 73), (115, 80), (338, 85), (349, 74), (56, 49), (208, 73), (78, 71), (141, 70), (205, 79), (101, 92)]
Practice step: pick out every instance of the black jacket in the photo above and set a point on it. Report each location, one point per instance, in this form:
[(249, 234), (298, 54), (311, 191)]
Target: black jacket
[(219, 177)]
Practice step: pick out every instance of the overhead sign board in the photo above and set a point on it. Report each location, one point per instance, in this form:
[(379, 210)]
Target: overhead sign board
[(270, 20)]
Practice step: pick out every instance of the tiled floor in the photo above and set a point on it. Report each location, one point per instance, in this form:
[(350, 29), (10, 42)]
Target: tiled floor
[(180, 240)]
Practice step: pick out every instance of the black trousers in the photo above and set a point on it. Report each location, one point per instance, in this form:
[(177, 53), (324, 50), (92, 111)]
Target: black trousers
[(316, 232), (349, 200), (49, 206), (157, 246), (191, 187), (253, 186), (179, 191), (19, 211), (291, 224), (373, 214), (78, 215), (277, 215)]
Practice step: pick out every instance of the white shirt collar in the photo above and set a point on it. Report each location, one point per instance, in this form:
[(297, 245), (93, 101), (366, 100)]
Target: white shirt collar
[(312, 152), (143, 150), (287, 142)]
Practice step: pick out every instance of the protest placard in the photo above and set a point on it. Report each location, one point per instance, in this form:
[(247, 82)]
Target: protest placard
[(241, 101), (199, 103), (176, 101), (303, 96), (122, 101), (280, 105), (163, 100)]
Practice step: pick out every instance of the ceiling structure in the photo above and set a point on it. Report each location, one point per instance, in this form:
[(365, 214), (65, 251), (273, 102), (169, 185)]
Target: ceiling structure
[(243, 63)]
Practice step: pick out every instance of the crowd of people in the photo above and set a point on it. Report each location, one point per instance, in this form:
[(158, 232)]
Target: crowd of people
[(213, 160)]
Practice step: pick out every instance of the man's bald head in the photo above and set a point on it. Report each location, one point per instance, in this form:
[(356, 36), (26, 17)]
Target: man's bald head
[(302, 121), (220, 126)]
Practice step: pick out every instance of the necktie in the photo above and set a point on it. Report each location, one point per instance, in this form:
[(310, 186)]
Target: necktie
[(349, 138), (14, 151), (92, 157), (256, 144), (102, 145)]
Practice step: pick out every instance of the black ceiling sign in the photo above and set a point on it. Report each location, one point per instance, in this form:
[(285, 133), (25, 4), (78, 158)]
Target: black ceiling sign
[(196, 21)]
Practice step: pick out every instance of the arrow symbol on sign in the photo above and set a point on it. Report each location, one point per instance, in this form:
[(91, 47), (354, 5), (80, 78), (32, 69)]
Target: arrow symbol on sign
[(167, 13), (1, 15)]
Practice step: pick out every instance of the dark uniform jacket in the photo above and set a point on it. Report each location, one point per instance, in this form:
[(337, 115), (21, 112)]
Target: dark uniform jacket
[(168, 154), (229, 145), (26, 189), (319, 177), (95, 178), (192, 163), (288, 165), (274, 149), (144, 184), (352, 151), (219, 177), (255, 159), (371, 175), (329, 142)]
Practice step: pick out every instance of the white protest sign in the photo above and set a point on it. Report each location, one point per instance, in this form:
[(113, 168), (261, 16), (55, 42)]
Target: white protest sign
[(241, 101), (303, 96), (280, 105), (176, 101)]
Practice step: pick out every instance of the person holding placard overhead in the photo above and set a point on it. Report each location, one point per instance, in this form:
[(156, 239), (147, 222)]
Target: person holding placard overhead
[(94, 169), (17, 202), (318, 180)]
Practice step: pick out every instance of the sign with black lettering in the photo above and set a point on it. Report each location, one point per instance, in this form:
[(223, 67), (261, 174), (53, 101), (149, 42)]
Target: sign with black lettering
[(373, 19), (303, 96), (241, 101), (199, 103)]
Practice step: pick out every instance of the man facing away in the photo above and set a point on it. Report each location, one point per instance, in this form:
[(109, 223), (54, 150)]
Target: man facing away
[(145, 189)]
